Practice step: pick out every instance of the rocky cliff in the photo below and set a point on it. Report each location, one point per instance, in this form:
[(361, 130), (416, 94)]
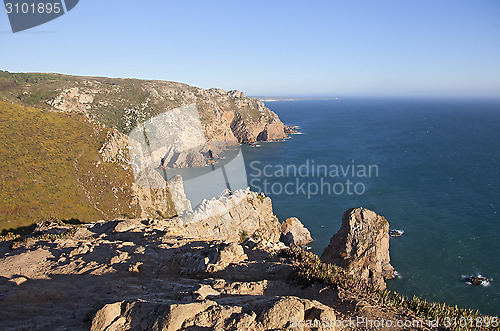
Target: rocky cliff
[(294, 232), (219, 266), (92, 152), (229, 117), (361, 246)]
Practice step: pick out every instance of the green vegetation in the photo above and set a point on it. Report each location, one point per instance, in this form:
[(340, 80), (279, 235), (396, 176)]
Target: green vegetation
[(30, 89), (116, 102), (32, 78), (311, 270), (243, 236), (25, 241), (51, 168)]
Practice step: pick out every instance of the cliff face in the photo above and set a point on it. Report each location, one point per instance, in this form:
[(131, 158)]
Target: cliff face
[(254, 121), (362, 246), (229, 117)]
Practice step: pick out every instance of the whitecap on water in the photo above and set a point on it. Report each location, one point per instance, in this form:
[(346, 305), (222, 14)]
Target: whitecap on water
[(396, 233), (468, 280)]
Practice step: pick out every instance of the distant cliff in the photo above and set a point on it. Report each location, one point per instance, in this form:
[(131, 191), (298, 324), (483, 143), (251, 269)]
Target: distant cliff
[(229, 117)]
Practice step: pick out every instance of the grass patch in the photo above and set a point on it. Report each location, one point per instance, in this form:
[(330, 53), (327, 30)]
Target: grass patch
[(243, 236), (51, 168), (20, 241)]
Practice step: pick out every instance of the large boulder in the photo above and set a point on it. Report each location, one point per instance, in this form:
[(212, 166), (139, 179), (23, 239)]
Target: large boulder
[(362, 246), (260, 313), (281, 313), (108, 317), (294, 232)]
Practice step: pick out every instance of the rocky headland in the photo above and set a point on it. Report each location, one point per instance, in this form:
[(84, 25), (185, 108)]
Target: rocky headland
[(226, 116)]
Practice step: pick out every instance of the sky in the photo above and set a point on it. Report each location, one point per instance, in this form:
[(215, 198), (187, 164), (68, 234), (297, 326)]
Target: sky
[(274, 48)]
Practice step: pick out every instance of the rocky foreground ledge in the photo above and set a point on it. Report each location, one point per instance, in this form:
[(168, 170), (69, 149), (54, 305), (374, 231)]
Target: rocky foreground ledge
[(225, 272)]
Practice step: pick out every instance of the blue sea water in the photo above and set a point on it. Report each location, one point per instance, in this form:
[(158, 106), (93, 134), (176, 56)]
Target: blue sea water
[(435, 174)]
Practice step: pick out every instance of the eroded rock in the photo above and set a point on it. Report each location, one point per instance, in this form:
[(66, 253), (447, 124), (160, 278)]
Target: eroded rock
[(215, 258), (128, 225), (280, 313), (176, 188), (262, 314), (231, 217), (294, 232), (362, 246), (106, 316)]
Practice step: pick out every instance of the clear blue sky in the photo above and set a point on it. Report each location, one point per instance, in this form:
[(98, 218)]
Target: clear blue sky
[(280, 48)]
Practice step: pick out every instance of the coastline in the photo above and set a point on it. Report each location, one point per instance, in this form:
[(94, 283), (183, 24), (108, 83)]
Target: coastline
[(274, 99), (185, 251)]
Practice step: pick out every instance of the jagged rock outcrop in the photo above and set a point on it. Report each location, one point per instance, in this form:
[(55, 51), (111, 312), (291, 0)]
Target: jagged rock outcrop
[(231, 217), (152, 195), (73, 100), (181, 202), (253, 121), (115, 148), (294, 232), (106, 317), (362, 246)]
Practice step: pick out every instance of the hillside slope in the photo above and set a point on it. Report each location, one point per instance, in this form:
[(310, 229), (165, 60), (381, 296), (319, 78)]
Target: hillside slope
[(51, 167)]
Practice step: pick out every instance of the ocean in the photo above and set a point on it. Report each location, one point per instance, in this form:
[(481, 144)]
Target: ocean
[(429, 166)]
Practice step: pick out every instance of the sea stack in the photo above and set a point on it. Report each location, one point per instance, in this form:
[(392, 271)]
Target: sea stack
[(361, 246), (294, 232)]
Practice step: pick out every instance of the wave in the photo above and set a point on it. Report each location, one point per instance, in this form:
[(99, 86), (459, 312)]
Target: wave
[(476, 280), (396, 233)]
